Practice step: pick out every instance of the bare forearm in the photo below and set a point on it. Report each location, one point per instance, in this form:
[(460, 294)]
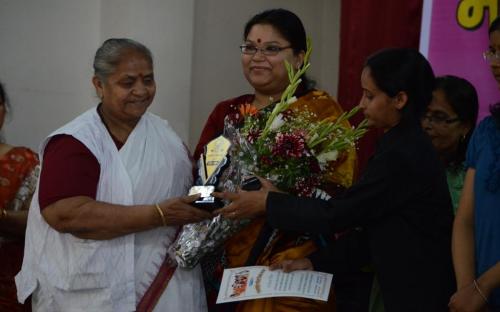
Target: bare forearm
[(13, 224), (490, 279), (90, 219), (463, 234), (463, 253)]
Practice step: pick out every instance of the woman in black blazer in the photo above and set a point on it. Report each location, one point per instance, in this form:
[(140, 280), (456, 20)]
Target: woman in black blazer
[(401, 202)]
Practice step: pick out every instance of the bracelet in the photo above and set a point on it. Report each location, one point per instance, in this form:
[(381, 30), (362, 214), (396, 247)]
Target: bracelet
[(161, 214), (476, 286), (4, 214)]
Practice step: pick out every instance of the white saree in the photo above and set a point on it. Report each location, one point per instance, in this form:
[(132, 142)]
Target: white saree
[(65, 273)]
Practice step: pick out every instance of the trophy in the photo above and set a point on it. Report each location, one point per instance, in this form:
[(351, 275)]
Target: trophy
[(210, 166)]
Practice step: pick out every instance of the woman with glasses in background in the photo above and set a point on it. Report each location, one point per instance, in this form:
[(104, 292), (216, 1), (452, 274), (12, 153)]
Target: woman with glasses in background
[(476, 229), (449, 121), (271, 38)]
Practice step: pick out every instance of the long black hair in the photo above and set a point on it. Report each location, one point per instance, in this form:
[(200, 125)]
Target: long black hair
[(404, 70), (290, 27), (4, 99)]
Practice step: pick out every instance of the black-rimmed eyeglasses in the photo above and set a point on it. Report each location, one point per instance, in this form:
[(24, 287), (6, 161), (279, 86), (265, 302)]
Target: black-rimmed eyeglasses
[(440, 119), (270, 50)]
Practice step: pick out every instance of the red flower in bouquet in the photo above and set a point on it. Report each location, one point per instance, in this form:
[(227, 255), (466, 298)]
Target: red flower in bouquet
[(266, 160), (253, 135), (290, 145)]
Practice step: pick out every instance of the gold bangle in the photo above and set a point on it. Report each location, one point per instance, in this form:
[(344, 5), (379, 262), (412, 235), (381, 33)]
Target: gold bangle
[(476, 286), (161, 214)]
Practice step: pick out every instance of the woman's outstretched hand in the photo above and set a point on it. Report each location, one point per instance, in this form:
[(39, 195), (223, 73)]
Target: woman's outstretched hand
[(293, 265), (246, 205), (178, 210)]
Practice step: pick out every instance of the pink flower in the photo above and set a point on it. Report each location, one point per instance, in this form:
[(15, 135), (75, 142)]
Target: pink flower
[(290, 145)]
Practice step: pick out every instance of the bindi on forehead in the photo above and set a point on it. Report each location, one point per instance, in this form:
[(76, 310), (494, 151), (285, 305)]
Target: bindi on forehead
[(259, 40)]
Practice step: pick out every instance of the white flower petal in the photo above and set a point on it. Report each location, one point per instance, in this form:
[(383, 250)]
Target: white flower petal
[(291, 100), (277, 122), (328, 156)]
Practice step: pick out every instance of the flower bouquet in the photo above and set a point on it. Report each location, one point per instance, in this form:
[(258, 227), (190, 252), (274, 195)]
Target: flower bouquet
[(286, 145)]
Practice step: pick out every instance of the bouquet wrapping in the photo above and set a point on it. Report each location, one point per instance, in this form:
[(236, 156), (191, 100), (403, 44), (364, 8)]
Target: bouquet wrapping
[(286, 144)]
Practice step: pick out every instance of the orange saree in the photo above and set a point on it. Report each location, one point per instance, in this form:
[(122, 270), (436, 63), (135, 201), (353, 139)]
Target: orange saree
[(17, 183), (282, 245)]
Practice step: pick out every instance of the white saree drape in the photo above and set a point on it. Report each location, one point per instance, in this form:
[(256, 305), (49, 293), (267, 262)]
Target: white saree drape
[(65, 273)]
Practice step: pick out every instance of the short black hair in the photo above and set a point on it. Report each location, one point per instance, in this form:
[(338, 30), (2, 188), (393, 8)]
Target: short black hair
[(286, 23), (397, 70), (461, 95), (289, 25)]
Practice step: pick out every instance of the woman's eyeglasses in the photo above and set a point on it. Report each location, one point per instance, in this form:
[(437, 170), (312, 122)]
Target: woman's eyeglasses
[(270, 50), (439, 119), (491, 56)]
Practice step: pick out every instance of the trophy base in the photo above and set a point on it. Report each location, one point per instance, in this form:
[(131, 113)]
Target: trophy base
[(206, 201)]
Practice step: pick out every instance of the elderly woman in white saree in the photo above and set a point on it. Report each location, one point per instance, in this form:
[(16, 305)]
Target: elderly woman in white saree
[(109, 201)]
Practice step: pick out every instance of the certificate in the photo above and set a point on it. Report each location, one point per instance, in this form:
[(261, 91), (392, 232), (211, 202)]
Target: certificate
[(255, 282)]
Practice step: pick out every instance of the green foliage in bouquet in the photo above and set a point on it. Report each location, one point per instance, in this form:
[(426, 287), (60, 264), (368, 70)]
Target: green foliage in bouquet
[(290, 147)]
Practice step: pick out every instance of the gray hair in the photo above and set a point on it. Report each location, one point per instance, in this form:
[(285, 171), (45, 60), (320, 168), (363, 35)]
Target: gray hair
[(109, 55)]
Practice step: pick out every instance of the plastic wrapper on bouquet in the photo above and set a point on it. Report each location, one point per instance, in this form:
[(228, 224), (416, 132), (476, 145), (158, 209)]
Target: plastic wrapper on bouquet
[(199, 239), (285, 143)]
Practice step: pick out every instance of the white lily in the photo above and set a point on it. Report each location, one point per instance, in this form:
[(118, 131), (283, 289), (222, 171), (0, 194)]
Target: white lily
[(328, 156), (277, 122), (291, 100)]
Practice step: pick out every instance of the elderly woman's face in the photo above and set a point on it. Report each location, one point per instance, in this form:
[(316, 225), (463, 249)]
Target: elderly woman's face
[(127, 93), (267, 73), (442, 124)]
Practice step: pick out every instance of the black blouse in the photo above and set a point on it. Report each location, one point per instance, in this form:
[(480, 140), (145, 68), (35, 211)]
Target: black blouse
[(403, 206)]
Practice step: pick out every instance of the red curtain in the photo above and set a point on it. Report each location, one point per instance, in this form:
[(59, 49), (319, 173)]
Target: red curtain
[(365, 27)]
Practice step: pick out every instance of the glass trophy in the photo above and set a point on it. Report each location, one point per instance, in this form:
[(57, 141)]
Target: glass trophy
[(210, 166)]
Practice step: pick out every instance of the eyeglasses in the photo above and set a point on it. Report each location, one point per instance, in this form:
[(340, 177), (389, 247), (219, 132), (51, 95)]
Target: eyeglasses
[(270, 50), (491, 56), (440, 119)]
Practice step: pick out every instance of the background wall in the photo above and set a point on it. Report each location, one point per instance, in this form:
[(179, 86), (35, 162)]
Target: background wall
[(217, 73), (47, 48)]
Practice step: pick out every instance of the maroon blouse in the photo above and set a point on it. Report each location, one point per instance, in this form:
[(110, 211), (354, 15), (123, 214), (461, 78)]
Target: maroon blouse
[(69, 169), (215, 122)]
